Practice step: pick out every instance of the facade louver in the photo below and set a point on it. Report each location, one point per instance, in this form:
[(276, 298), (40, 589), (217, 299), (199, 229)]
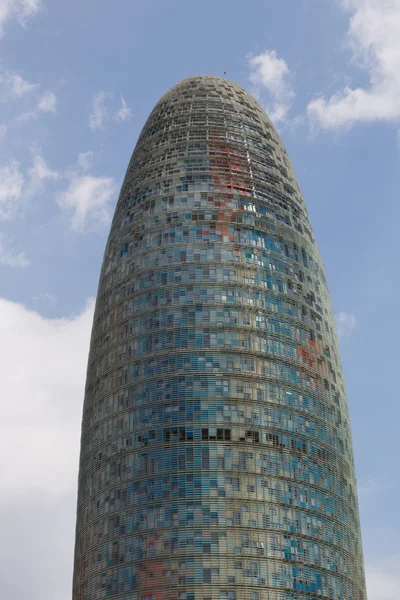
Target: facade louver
[(216, 453)]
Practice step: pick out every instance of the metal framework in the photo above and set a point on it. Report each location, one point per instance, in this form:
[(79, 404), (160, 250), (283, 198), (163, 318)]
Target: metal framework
[(216, 454)]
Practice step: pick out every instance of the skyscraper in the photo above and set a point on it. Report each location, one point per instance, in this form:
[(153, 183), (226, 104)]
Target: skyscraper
[(216, 454)]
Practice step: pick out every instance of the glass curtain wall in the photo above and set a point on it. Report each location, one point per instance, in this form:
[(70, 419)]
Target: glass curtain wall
[(216, 454)]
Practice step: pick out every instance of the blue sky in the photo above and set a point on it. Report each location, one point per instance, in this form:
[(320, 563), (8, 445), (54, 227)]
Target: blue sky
[(77, 82)]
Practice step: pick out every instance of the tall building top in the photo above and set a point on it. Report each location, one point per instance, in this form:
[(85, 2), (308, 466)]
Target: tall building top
[(219, 107), (208, 81)]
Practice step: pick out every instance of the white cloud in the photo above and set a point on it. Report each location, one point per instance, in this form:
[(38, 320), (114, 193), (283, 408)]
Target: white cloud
[(125, 113), (85, 160), (99, 114), (373, 36), (41, 397), (45, 532), (18, 86), (271, 74), (36, 176), (38, 173), (11, 188), (13, 86), (44, 363), (345, 323), (383, 579), (3, 130), (18, 10), (87, 200), (17, 187), (47, 102), (45, 298), (10, 258), (99, 110)]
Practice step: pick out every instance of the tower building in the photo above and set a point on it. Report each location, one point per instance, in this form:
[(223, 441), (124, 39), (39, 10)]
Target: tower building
[(216, 454)]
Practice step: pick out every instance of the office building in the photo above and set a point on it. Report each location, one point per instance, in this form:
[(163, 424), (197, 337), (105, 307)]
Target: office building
[(216, 453)]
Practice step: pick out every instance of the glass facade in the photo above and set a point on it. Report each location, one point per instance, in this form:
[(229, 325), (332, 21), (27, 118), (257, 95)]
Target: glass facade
[(216, 454)]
